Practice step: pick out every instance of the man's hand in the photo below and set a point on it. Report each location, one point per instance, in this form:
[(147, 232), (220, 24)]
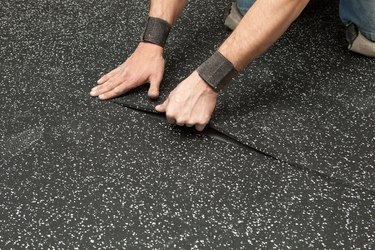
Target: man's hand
[(191, 103), (146, 64)]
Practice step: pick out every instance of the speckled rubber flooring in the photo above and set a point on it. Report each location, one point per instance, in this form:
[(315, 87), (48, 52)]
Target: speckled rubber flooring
[(79, 173)]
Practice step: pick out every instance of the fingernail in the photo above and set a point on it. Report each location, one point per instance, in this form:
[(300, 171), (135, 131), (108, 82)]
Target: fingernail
[(101, 97)]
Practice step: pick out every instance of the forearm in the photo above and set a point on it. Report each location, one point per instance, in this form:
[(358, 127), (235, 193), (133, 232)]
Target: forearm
[(264, 23), (168, 10)]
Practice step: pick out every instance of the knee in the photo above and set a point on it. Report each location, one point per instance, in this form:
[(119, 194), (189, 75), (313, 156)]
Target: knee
[(244, 5), (360, 13)]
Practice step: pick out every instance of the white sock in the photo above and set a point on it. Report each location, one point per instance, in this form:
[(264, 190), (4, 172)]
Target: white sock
[(363, 46)]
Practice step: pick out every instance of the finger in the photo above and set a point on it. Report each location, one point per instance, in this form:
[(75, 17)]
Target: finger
[(153, 92), (162, 108), (108, 86), (200, 127), (170, 113), (119, 90), (107, 76), (189, 125)]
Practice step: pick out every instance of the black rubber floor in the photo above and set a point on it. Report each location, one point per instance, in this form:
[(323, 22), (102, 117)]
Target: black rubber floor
[(79, 173)]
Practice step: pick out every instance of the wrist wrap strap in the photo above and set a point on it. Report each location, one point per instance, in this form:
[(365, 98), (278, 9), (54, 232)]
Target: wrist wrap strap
[(217, 71), (156, 31)]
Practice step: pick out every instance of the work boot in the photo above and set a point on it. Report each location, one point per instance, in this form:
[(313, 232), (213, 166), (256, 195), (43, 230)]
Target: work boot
[(233, 18), (359, 43)]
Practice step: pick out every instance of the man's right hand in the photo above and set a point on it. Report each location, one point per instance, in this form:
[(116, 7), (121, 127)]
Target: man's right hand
[(146, 64)]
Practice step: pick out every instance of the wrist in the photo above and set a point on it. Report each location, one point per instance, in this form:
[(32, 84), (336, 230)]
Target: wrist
[(208, 89), (227, 52), (202, 85), (151, 49), (217, 71), (156, 31)]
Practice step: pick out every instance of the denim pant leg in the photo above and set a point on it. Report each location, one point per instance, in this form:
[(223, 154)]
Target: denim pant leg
[(244, 5), (361, 13)]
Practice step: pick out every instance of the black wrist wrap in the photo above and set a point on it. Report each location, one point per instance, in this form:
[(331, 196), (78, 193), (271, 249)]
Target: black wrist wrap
[(157, 31), (217, 71)]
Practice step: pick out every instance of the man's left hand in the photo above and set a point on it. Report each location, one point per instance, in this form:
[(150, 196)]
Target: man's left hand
[(191, 103)]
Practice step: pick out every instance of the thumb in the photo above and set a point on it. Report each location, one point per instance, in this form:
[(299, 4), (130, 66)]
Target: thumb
[(162, 107), (153, 91)]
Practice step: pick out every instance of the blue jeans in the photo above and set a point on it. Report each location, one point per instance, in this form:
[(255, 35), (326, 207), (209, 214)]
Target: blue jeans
[(359, 12)]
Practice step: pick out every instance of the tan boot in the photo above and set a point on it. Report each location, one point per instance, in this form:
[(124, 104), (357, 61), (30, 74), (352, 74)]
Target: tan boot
[(359, 43), (234, 17)]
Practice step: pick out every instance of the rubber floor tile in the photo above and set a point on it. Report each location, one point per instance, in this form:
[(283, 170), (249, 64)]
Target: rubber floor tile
[(85, 174)]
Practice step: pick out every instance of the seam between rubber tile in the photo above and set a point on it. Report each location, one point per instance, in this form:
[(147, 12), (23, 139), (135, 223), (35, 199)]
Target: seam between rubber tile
[(218, 135)]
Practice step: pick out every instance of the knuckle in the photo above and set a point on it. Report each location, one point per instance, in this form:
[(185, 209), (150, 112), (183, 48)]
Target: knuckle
[(107, 84), (130, 84), (128, 75), (116, 92), (105, 89), (126, 71), (99, 88)]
